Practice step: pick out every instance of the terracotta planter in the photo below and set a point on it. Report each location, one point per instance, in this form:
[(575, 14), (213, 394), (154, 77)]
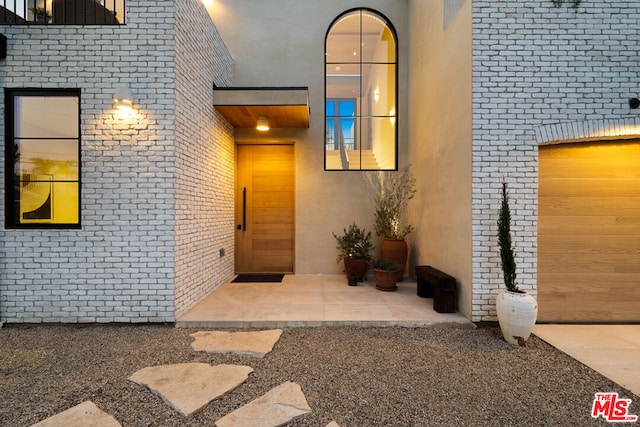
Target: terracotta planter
[(356, 266), (396, 250), (517, 313), (386, 279)]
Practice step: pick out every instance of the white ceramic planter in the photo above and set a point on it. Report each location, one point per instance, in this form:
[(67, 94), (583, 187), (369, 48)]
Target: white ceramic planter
[(517, 314)]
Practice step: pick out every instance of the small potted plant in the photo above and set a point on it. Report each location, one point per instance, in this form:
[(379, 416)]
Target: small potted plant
[(393, 190), (354, 247), (516, 309), (40, 14), (385, 272)]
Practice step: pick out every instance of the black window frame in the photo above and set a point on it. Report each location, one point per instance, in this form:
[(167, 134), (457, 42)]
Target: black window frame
[(12, 220), (358, 118), (67, 12), (337, 119)]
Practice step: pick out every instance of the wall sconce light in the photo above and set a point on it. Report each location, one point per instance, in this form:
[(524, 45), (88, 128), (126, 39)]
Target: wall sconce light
[(376, 95), (123, 98), (263, 124)]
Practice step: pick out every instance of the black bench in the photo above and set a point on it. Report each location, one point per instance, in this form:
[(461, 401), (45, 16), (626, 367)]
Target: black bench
[(433, 283)]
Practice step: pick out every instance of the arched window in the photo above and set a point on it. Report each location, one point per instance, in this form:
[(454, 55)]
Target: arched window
[(361, 88)]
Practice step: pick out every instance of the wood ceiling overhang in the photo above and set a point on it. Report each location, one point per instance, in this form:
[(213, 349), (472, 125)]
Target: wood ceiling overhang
[(286, 107)]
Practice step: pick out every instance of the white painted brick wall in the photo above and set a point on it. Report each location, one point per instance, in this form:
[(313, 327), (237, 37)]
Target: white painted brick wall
[(120, 266), (537, 68), (205, 159)]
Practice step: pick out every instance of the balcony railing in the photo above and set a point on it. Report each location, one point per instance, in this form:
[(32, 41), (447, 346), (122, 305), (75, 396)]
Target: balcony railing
[(62, 12)]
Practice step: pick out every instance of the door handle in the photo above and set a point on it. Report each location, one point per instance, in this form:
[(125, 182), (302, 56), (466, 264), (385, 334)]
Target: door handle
[(244, 209)]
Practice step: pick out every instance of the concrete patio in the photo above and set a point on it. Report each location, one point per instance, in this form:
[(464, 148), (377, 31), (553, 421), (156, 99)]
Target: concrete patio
[(315, 300)]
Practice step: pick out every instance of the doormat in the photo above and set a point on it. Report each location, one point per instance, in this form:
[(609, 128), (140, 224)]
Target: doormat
[(257, 278)]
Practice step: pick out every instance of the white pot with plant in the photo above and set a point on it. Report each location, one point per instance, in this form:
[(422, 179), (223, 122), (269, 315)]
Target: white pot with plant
[(517, 310)]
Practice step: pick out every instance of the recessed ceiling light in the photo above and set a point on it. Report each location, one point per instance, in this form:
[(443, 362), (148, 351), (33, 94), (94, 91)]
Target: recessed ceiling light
[(263, 124)]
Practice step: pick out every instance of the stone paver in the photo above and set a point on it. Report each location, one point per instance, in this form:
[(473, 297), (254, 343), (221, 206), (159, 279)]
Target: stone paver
[(188, 387), (333, 424), (256, 343), (86, 414), (278, 406)]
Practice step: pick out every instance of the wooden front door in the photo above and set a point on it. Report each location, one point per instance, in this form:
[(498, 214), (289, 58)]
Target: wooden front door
[(589, 232), (265, 207)]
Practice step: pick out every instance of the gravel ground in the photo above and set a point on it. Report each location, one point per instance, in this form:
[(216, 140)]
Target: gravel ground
[(355, 376)]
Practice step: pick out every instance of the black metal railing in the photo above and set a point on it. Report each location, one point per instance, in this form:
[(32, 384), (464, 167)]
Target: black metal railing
[(63, 12), (335, 141), (344, 157)]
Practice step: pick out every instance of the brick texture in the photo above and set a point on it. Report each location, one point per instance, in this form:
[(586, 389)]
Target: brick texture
[(157, 188), (205, 159), (541, 74), (126, 264)]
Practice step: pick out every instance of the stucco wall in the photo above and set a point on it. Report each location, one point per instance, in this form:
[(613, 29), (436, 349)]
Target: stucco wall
[(205, 159), (536, 66), (119, 266), (440, 139), (283, 45)]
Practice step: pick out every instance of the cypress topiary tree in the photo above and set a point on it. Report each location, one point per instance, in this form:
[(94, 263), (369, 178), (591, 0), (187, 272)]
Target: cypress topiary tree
[(504, 241)]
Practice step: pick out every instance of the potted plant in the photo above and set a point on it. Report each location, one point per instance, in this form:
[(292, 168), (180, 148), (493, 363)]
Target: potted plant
[(385, 272), (516, 309), (354, 247), (40, 14), (392, 194)]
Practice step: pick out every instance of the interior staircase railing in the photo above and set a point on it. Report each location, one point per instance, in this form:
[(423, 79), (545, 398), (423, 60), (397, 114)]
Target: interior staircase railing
[(344, 157)]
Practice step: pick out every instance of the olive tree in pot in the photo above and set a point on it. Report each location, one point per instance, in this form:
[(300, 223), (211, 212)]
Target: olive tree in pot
[(517, 310), (393, 190), (354, 247)]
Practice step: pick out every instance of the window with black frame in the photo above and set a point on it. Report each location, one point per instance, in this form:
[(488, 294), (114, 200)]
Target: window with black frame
[(63, 12), (42, 158), (361, 93)]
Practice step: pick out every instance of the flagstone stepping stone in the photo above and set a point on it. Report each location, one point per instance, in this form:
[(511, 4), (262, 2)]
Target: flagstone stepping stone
[(188, 387), (86, 414), (333, 424), (277, 407), (256, 343)]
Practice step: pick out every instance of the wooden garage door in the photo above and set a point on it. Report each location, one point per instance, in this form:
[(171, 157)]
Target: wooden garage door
[(589, 232)]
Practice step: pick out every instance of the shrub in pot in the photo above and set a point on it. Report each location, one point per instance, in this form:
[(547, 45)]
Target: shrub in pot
[(354, 247), (517, 310), (385, 272)]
